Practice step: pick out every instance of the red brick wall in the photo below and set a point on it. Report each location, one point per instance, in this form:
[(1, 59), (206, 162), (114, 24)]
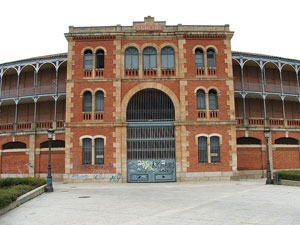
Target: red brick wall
[(109, 150), (251, 159), (14, 163), (93, 44), (286, 158), (225, 156), (57, 162), (108, 100), (220, 56)]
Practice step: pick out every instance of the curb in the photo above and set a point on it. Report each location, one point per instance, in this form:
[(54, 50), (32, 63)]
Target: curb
[(24, 198), (289, 183)]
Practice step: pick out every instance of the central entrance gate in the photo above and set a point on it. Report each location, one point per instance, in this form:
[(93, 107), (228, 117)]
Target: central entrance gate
[(151, 137)]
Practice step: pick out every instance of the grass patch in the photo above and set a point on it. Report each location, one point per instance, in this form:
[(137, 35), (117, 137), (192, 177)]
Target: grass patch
[(289, 175), (12, 188)]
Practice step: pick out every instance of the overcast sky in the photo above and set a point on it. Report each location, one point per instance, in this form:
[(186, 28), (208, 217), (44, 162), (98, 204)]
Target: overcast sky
[(31, 28)]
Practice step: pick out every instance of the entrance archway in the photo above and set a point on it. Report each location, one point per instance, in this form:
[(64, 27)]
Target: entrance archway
[(150, 137)]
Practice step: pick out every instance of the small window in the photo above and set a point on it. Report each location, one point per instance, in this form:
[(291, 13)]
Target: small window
[(201, 100), (248, 141), (99, 151), (199, 58), (286, 141), (99, 101), (149, 58), (131, 58), (213, 99), (13, 145), (100, 59), (87, 101), (86, 151), (202, 149), (167, 57), (215, 149), (88, 60), (211, 58)]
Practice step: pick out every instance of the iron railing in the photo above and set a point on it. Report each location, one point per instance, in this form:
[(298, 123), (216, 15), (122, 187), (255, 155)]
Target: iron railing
[(150, 105)]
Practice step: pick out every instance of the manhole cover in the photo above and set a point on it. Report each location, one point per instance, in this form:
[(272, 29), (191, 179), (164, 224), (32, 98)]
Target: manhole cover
[(84, 196)]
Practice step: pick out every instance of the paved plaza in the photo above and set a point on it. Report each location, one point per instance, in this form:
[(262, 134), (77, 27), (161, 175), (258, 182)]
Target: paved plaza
[(236, 202)]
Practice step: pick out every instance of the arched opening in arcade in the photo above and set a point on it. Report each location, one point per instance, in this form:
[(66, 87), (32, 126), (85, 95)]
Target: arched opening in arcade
[(150, 137)]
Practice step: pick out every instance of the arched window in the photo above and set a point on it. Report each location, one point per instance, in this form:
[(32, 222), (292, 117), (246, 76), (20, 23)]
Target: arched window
[(99, 151), (54, 144), (248, 141), (87, 101), (13, 145), (149, 58), (88, 60), (286, 141), (167, 57), (201, 100), (202, 149), (131, 58), (215, 149), (213, 99), (99, 101), (211, 58), (100, 59), (86, 151), (199, 57)]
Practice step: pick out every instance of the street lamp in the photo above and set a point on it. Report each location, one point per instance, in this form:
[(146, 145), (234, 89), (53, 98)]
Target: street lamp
[(49, 187), (267, 136)]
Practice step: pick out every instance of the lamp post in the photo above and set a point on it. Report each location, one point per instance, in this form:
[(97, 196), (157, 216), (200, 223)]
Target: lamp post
[(267, 136), (49, 187)]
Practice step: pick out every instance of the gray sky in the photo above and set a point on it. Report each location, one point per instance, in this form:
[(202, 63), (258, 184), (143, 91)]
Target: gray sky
[(35, 28)]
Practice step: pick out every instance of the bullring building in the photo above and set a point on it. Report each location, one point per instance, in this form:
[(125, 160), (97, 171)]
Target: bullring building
[(149, 103)]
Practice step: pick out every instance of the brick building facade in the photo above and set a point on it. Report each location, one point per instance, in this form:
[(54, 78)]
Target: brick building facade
[(149, 103)]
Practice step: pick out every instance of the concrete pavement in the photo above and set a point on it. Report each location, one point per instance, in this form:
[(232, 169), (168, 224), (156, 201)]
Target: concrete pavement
[(236, 202)]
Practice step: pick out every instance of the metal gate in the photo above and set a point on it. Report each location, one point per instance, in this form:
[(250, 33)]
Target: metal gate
[(150, 138)]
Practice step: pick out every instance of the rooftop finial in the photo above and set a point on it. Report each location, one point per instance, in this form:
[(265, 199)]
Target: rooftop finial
[(149, 19)]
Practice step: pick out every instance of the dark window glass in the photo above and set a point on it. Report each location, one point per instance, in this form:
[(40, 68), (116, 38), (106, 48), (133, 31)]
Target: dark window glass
[(286, 141), (202, 149), (131, 58), (54, 144), (86, 151), (211, 58), (199, 57), (200, 100), (149, 58), (215, 149), (87, 102), (13, 145), (100, 59), (99, 101), (167, 57), (99, 151), (213, 100), (248, 141), (88, 60)]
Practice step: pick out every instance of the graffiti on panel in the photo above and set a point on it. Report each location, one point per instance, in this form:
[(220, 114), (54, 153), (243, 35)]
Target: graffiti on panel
[(151, 166)]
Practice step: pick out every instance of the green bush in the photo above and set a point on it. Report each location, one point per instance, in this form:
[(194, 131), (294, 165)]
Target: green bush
[(12, 188), (35, 182), (289, 175), (10, 194)]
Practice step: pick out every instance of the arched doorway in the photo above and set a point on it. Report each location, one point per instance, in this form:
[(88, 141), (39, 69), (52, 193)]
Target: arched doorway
[(150, 137)]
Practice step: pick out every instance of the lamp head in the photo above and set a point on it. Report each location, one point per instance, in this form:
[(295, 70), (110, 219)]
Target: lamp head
[(50, 133), (267, 132)]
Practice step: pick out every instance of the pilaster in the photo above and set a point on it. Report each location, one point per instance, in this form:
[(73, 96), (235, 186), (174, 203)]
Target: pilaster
[(31, 165)]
